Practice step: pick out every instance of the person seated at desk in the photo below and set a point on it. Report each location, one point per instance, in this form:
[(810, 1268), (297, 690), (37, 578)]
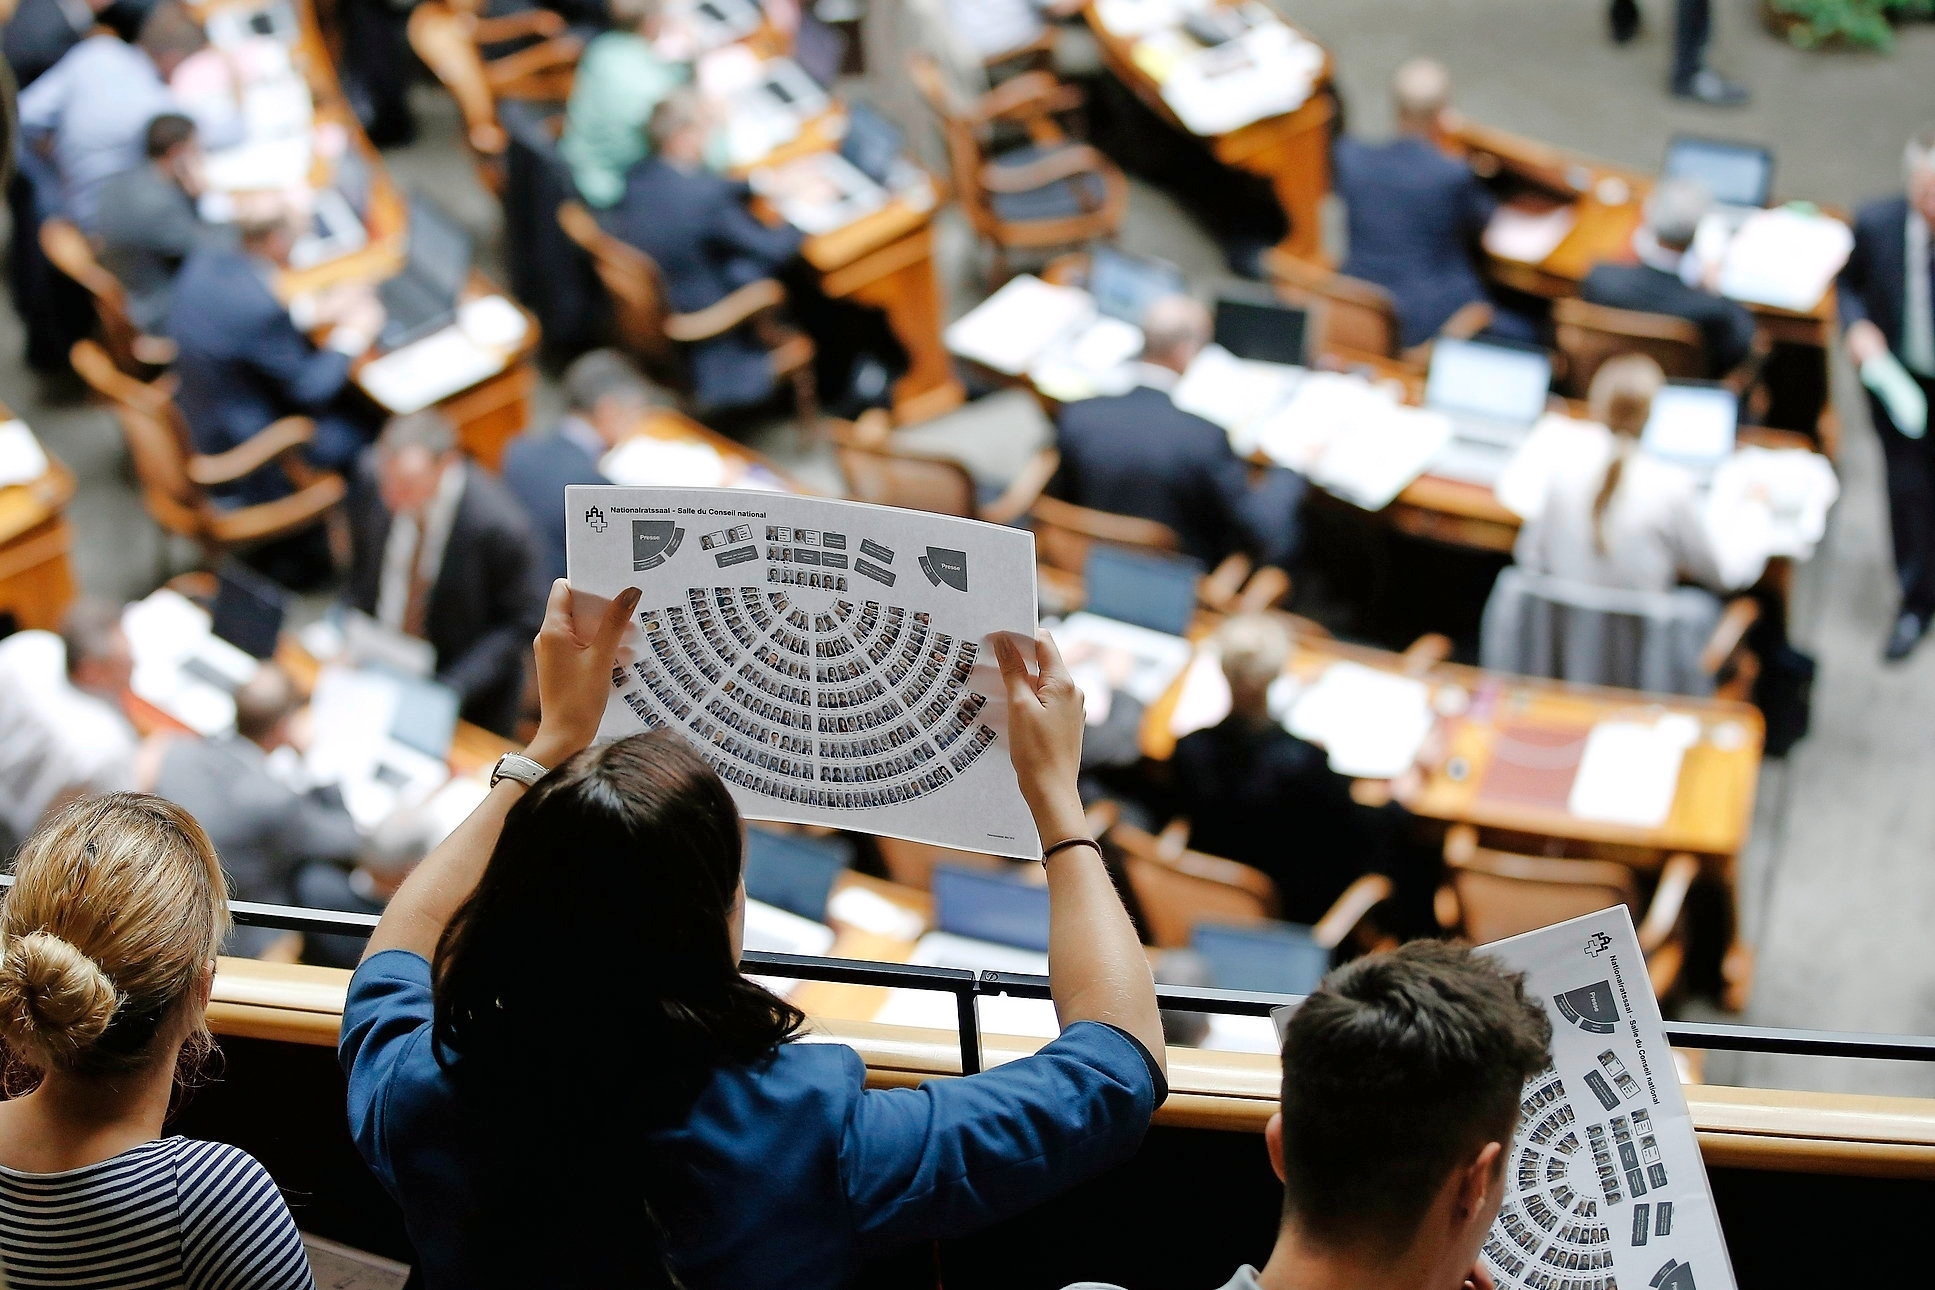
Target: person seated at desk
[(1415, 215), (1255, 793), (1139, 454), (621, 78), (149, 224), (604, 397), (1394, 1179), (1655, 284), (62, 732), (40, 32), (440, 550), (392, 853), (243, 364), (261, 826), (1615, 517)]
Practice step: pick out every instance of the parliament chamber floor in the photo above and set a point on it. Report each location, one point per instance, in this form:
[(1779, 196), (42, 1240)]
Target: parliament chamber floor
[(1836, 888)]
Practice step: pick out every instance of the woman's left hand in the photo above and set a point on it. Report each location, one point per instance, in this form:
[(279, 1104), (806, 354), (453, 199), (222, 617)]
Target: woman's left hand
[(574, 673)]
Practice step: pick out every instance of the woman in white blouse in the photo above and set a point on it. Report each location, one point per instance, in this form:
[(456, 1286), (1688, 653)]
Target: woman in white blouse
[(1613, 516)]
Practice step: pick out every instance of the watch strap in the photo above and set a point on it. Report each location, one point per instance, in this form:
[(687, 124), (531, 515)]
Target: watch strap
[(518, 767)]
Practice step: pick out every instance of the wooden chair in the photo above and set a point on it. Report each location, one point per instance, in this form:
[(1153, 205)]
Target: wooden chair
[(1177, 888), (1586, 335), (1064, 532), (175, 480), (1488, 895), (877, 472), (451, 41), (134, 351), (1355, 318), (1050, 192), (648, 328)]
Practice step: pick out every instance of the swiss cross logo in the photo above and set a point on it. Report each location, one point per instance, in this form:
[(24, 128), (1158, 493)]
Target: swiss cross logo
[(595, 518)]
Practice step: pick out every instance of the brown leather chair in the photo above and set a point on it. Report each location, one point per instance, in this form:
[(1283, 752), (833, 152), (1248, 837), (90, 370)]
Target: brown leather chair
[(1489, 895), (451, 40), (1176, 888), (648, 328), (875, 471), (1586, 335), (175, 480), (1354, 318), (1064, 532), (1048, 193), (134, 351)]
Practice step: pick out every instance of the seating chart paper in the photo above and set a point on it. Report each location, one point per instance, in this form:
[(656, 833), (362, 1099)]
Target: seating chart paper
[(1605, 1188), (829, 659)]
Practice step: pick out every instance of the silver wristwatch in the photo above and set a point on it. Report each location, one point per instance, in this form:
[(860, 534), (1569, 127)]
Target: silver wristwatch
[(518, 767)]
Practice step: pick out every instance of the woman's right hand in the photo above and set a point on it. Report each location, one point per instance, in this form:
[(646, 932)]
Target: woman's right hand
[(574, 674), (1045, 720)]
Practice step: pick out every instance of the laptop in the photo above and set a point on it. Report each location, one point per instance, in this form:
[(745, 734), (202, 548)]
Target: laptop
[(1124, 285), (873, 145), (989, 907), (819, 49), (1739, 175), (792, 871), (248, 610), (423, 298), (1153, 591), (335, 230), (788, 89), (1492, 394), (1263, 330), (1693, 424), (1272, 958), (426, 716)]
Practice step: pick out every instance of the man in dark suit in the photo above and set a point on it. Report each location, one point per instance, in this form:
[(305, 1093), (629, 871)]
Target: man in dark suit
[(243, 363), (1139, 454), (440, 550), (1415, 214), (1654, 284), (262, 828), (148, 225), (1887, 301), (604, 397)]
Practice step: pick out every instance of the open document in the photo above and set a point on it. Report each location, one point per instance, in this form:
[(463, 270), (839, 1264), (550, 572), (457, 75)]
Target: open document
[(829, 659), (1605, 1186)]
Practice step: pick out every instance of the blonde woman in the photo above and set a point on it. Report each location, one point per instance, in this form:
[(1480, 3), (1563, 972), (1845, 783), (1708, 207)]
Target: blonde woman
[(107, 954), (1613, 516)]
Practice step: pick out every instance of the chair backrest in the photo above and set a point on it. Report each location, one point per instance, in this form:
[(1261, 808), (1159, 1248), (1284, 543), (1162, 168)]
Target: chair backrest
[(70, 251), (1588, 334), (631, 279), (963, 140), (887, 478), (441, 37), (156, 436), (1064, 532), (1540, 625), (912, 864), (1351, 315), (1501, 894), (1176, 892)]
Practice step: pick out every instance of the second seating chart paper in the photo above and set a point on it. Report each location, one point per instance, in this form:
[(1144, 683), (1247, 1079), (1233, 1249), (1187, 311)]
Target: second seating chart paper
[(1605, 1188), (828, 658)]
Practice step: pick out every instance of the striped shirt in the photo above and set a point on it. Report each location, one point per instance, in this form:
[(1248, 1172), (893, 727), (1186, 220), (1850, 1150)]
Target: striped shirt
[(172, 1212)]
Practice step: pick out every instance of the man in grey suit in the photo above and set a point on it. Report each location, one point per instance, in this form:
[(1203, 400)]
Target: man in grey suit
[(263, 829), (148, 223)]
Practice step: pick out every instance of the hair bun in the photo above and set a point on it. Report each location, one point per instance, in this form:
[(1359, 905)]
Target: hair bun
[(54, 1000)]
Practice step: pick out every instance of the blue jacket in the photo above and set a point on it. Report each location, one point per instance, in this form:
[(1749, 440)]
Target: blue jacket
[(1415, 217), (538, 468), (242, 362), (1874, 282), (1726, 327), (792, 1172)]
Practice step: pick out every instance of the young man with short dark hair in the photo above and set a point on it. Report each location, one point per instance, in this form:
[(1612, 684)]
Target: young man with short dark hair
[(1402, 1076)]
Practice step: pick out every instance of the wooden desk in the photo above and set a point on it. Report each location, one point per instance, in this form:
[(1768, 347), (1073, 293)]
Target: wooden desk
[(36, 578), (1291, 151)]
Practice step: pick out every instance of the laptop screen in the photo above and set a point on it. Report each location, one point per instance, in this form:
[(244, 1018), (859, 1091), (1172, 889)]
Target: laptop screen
[(426, 716), (1263, 331), (248, 610), (1737, 174), (989, 907), (791, 872), (1124, 285), (872, 143), (1693, 423), (820, 49), (1274, 958), (440, 248), (1153, 591), (1497, 382)]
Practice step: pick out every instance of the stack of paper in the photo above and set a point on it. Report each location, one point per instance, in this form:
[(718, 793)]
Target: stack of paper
[(21, 459), (1528, 237), (1267, 71), (1786, 258), (1353, 439), (1089, 362), (1371, 722), (648, 462), (1792, 488), (1631, 771), (1131, 18), (421, 373), (1235, 393), (1016, 325)]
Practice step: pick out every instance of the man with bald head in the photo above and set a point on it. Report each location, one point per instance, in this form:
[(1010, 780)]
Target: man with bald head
[(1139, 454), (1414, 214), (264, 830)]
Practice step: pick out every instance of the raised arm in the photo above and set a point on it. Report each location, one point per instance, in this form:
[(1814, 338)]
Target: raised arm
[(1096, 968), (574, 674)]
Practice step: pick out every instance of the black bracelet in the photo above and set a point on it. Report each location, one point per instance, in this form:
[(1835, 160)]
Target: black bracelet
[(1066, 843)]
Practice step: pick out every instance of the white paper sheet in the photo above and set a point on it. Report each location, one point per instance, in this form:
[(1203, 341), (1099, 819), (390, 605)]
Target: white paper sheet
[(1764, 503), (1605, 1183), (1000, 1014), (1016, 325), (1324, 407), (165, 631), (1785, 258), (266, 166), (1267, 71), (1383, 456), (1235, 393), (1629, 773), (1528, 237), (22, 460), (1148, 660), (1092, 361), (772, 930), (419, 374), (829, 659), (1371, 723)]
